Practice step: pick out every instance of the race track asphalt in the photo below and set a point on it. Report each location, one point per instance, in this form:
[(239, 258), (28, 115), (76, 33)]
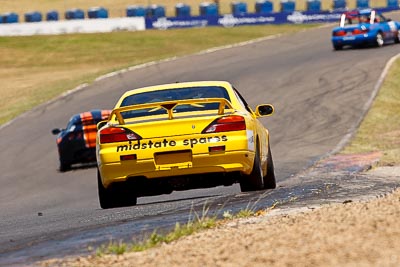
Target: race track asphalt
[(319, 96)]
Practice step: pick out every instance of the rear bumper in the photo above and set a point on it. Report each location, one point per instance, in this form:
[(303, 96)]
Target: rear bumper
[(354, 40), (220, 162)]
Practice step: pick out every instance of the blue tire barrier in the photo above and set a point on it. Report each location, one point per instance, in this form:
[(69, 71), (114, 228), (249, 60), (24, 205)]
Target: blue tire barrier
[(182, 10), (288, 6), (33, 16), (339, 4), (10, 18), (52, 15), (97, 13), (393, 3), (239, 8), (135, 11), (74, 14), (155, 11), (264, 7), (208, 9), (313, 5), (362, 3)]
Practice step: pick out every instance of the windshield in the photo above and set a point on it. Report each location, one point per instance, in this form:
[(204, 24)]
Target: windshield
[(174, 94)]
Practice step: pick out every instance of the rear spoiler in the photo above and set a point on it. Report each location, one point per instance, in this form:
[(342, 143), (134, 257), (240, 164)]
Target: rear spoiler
[(170, 105)]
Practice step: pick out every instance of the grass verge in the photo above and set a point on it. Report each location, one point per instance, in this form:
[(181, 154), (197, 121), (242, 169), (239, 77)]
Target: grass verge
[(380, 129)]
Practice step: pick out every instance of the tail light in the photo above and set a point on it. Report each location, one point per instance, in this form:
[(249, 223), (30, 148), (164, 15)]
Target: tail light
[(117, 134), (339, 33), (226, 124), (359, 31)]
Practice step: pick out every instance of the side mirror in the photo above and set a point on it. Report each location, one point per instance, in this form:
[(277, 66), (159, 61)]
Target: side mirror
[(56, 131), (264, 110), (101, 124)]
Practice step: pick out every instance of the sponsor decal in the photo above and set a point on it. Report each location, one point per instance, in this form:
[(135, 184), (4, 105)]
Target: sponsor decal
[(230, 21), (299, 18), (142, 145), (250, 140), (164, 23)]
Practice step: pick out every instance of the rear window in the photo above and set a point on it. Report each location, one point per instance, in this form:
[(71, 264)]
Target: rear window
[(174, 94)]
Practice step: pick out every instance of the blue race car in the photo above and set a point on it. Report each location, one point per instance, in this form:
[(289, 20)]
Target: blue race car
[(77, 142), (365, 27)]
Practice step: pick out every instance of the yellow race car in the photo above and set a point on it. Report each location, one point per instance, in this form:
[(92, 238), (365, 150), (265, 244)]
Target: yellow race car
[(181, 136)]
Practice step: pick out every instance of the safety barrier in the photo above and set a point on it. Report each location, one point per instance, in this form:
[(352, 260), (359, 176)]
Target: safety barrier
[(155, 19)]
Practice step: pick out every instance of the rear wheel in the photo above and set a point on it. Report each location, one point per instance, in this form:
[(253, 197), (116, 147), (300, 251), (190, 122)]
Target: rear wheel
[(115, 196), (379, 40), (269, 178), (64, 166), (337, 47), (397, 37), (255, 180)]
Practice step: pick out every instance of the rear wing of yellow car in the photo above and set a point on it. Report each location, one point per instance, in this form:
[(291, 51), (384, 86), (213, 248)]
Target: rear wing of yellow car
[(169, 106)]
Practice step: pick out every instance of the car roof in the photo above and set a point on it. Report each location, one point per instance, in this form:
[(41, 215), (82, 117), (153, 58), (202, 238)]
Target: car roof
[(96, 115)]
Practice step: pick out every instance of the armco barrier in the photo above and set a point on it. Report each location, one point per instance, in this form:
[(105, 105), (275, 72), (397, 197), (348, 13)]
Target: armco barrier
[(249, 19)]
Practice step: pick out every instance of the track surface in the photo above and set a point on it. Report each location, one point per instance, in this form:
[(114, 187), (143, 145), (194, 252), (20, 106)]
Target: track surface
[(318, 96)]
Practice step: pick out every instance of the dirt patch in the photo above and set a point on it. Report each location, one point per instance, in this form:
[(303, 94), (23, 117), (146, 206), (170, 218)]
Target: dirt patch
[(353, 233)]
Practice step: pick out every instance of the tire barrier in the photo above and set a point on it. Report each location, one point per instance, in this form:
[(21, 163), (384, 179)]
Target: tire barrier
[(288, 6), (9, 18), (97, 13), (264, 7), (74, 14), (182, 10), (155, 11), (33, 16), (313, 5), (208, 9), (135, 11), (52, 15), (362, 3), (238, 8)]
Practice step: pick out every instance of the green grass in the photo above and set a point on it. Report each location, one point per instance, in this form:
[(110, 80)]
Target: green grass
[(39, 68), (380, 130)]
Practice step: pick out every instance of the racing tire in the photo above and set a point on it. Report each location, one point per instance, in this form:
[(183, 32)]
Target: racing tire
[(269, 178), (337, 47), (397, 37), (379, 40), (64, 166), (114, 196), (255, 180)]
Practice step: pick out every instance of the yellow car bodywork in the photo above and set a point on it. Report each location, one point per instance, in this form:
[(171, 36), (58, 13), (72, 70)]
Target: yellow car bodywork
[(175, 141)]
